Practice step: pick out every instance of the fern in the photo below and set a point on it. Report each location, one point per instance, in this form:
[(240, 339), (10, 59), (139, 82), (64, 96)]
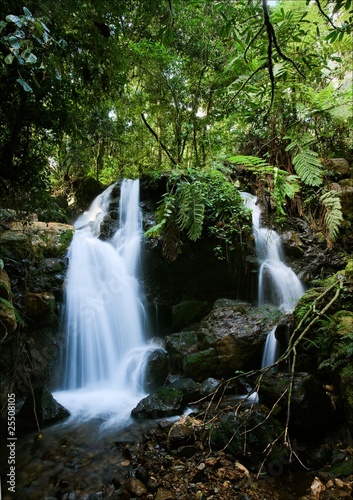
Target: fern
[(284, 184), (306, 162), (333, 214), (191, 208), (308, 167), (250, 161)]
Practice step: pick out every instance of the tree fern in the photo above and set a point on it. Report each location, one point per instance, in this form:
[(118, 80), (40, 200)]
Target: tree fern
[(333, 217)]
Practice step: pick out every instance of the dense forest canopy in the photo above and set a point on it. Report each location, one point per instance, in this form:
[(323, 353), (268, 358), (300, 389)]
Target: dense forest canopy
[(119, 89)]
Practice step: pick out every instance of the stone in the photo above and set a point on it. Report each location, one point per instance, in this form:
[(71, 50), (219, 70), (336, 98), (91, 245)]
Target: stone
[(43, 407), (40, 306), (135, 487), (292, 244), (37, 239), (164, 494), (237, 334), (246, 436), (5, 286), (164, 402), (8, 322), (311, 410), (187, 312), (188, 387), (201, 364), (157, 370)]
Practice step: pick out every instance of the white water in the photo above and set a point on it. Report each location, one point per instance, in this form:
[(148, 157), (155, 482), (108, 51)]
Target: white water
[(104, 315), (278, 284)]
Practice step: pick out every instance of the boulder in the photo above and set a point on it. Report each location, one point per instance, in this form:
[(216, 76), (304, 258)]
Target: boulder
[(201, 364), (187, 312), (237, 335), (43, 407), (157, 370), (247, 435), (40, 306), (179, 345), (311, 409), (8, 322), (292, 244), (165, 402), (37, 239), (188, 387)]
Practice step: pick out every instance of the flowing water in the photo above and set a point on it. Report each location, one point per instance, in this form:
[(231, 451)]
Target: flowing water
[(278, 284), (104, 315)]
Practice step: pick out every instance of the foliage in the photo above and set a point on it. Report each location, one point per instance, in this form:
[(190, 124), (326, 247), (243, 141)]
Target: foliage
[(119, 89), (280, 183), (306, 162), (333, 217), (196, 200)]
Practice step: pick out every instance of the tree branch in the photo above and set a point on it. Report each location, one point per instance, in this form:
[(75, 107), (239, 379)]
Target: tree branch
[(158, 139)]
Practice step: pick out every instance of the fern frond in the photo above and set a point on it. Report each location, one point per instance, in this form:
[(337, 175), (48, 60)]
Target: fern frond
[(333, 213), (249, 161), (191, 209), (308, 167)]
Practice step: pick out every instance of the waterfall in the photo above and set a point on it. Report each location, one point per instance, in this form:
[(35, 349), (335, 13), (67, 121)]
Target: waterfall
[(277, 284), (104, 314)]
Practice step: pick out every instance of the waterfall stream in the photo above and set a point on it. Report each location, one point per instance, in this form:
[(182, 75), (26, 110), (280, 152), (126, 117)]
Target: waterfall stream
[(104, 315), (278, 284)]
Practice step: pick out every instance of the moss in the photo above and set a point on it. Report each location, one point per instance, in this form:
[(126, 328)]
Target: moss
[(349, 271), (169, 394)]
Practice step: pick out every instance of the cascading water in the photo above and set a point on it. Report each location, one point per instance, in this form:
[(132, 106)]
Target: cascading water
[(104, 315), (278, 284)]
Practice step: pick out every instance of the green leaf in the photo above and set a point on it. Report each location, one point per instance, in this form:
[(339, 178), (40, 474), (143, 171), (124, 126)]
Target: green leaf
[(27, 12), (308, 167), (9, 58), (13, 19), (24, 84), (333, 213), (30, 58)]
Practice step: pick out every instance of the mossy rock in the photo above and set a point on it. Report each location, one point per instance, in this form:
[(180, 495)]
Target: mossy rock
[(201, 365), (346, 389), (343, 321), (349, 271), (164, 402)]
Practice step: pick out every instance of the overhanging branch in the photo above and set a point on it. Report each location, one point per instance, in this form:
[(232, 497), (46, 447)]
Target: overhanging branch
[(155, 135)]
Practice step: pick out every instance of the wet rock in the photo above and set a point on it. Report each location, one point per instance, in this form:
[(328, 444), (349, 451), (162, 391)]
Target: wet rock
[(292, 244), (8, 321), (247, 435), (164, 494), (208, 386), (38, 239), (43, 407), (184, 431), (40, 307), (237, 334), (201, 364), (311, 410), (346, 390), (179, 345), (165, 402), (157, 370), (188, 387), (188, 312), (135, 487)]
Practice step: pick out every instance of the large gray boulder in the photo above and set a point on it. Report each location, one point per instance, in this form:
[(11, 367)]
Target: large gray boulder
[(229, 339)]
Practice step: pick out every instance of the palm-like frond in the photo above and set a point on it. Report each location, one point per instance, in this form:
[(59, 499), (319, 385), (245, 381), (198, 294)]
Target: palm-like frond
[(333, 214), (191, 209), (308, 167)]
